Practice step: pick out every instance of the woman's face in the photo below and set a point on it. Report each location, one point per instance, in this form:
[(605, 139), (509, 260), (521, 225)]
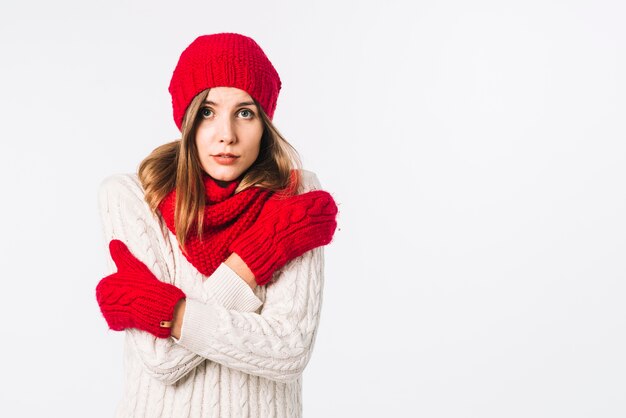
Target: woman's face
[(229, 133)]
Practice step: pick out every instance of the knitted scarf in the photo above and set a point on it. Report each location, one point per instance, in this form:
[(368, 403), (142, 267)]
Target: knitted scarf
[(226, 215)]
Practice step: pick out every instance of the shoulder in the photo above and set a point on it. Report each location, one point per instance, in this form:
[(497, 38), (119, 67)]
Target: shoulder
[(308, 181), (126, 182), (123, 190)]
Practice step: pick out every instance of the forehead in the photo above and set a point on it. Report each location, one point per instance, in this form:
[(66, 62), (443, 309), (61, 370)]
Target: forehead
[(226, 95)]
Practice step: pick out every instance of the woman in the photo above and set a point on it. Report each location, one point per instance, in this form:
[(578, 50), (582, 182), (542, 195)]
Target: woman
[(216, 249)]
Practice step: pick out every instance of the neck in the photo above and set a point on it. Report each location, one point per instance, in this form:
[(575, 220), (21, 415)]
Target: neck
[(223, 183)]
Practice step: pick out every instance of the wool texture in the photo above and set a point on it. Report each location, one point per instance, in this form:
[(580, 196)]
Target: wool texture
[(223, 60), (241, 352), (133, 297), (265, 229), (226, 216), (286, 229)]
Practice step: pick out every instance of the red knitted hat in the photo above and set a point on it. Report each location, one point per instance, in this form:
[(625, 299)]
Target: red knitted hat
[(223, 60)]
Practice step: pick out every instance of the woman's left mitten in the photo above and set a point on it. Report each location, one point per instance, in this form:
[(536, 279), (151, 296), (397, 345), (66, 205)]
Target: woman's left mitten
[(133, 297)]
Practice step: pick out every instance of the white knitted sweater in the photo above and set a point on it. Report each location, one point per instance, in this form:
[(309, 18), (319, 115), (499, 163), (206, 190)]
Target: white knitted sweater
[(241, 353)]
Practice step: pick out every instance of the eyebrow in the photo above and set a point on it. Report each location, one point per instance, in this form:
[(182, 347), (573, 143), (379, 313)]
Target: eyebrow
[(239, 104)]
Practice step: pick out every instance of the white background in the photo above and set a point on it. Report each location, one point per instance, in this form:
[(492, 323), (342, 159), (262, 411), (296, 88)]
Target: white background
[(476, 150)]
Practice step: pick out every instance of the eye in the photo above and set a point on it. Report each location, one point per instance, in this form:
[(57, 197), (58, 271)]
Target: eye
[(246, 113), (205, 112)]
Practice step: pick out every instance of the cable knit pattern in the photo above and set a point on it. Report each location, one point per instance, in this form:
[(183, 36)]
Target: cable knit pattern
[(133, 297), (241, 353), (286, 229)]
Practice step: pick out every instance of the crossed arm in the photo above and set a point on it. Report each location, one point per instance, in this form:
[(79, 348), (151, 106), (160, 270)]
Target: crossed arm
[(237, 265), (274, 343)]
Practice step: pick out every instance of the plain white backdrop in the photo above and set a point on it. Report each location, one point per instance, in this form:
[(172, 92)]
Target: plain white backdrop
[(476, 150)]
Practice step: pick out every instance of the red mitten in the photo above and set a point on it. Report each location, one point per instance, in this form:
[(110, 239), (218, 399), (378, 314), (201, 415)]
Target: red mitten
[(286, 229), (133, 297)]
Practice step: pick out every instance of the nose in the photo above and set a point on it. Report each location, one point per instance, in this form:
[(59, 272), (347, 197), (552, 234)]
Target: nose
[(227, 132)]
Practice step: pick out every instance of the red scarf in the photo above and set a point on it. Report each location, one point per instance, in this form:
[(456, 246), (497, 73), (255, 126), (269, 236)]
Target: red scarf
[(226, 215)]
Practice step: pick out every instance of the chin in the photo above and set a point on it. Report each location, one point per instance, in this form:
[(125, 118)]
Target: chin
[(223, 175)]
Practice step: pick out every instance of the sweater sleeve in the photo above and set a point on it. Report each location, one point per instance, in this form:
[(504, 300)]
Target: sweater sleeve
[(126, 216), (277, 342)]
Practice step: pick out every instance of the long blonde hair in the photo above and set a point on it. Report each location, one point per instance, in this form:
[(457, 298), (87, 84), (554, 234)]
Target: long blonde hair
[(177, 165)]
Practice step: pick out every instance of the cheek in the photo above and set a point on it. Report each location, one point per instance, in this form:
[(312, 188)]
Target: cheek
[(257, 148), (253, 140), (205, 137), (202, 148), (258, 136)]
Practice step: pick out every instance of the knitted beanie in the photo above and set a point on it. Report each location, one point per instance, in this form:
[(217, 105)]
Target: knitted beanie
[(223, 60)]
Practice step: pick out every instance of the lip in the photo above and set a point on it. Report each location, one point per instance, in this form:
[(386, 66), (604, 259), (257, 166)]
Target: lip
[(225, 158)]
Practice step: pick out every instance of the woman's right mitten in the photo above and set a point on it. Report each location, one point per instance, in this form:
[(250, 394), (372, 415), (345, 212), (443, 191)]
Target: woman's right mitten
[(285, 229)]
